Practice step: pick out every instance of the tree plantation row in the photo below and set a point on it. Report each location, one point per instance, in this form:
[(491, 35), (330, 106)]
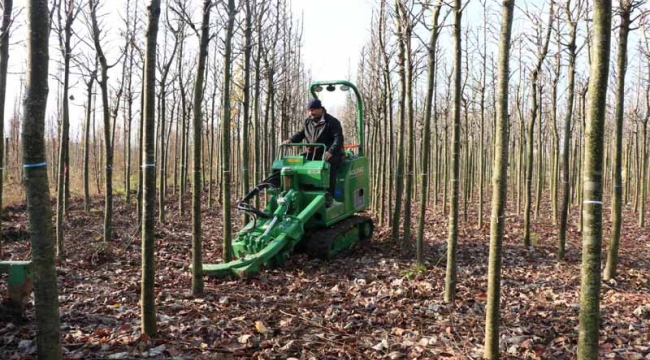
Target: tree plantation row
[(178, 101)]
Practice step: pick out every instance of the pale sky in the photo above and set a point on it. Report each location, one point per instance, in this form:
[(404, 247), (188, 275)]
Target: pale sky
[(334, 33)]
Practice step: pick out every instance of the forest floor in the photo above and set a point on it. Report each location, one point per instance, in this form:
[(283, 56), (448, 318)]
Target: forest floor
[(369, 304)]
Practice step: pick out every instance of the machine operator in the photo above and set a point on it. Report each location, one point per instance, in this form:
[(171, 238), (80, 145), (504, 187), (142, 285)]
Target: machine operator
[(323, 128)]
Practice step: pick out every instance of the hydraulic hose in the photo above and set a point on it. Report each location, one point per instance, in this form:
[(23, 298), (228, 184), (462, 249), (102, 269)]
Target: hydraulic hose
[(268, 183)]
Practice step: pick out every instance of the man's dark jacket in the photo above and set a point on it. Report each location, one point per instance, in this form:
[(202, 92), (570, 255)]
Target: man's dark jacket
[(328, 132)]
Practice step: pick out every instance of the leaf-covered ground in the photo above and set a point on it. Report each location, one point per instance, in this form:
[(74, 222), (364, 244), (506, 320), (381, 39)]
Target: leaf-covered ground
[(369, 304)]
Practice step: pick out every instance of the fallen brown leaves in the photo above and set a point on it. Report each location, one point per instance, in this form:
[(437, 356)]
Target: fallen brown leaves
[(370, 304)]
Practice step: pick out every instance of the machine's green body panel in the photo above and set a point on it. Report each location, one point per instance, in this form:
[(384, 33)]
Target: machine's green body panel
[(20, 281)]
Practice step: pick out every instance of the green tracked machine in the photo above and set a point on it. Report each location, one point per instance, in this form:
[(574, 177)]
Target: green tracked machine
[(298, 213)]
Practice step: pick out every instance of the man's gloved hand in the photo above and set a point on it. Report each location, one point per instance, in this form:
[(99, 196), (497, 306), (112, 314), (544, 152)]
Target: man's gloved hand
[(286, 142), (328, 156)]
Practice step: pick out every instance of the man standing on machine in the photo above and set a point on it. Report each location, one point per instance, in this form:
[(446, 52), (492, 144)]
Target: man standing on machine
[(323, 128)]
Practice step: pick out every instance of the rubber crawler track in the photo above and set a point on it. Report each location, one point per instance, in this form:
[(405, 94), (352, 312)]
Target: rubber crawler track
[(319, 242)]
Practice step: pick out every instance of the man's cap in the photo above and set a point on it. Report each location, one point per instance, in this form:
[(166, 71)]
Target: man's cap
[(315, 104)]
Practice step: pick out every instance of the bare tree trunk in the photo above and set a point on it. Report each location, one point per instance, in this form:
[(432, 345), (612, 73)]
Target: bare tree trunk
[(86, 165), (452, 240), (65, 35), (540, 153), (256, 103), (402, 123), (213, 130), (592, 180), (520, 152), (162, 178), (637, 165), (176, 158), (247, 99), (499, 188), (388, 105), (129, 111), (148, 299), (97, 155), (566, 181), (103, 84), (541, 55), (197, 241), (643, 173), (482, 123), (225, 121), (127, 133), (39, 210), (408, 27), (433, 40), (556, 137), (141, 147), (628, 176), (270, 97), (181, 133), (7, 7), (625, 9)]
